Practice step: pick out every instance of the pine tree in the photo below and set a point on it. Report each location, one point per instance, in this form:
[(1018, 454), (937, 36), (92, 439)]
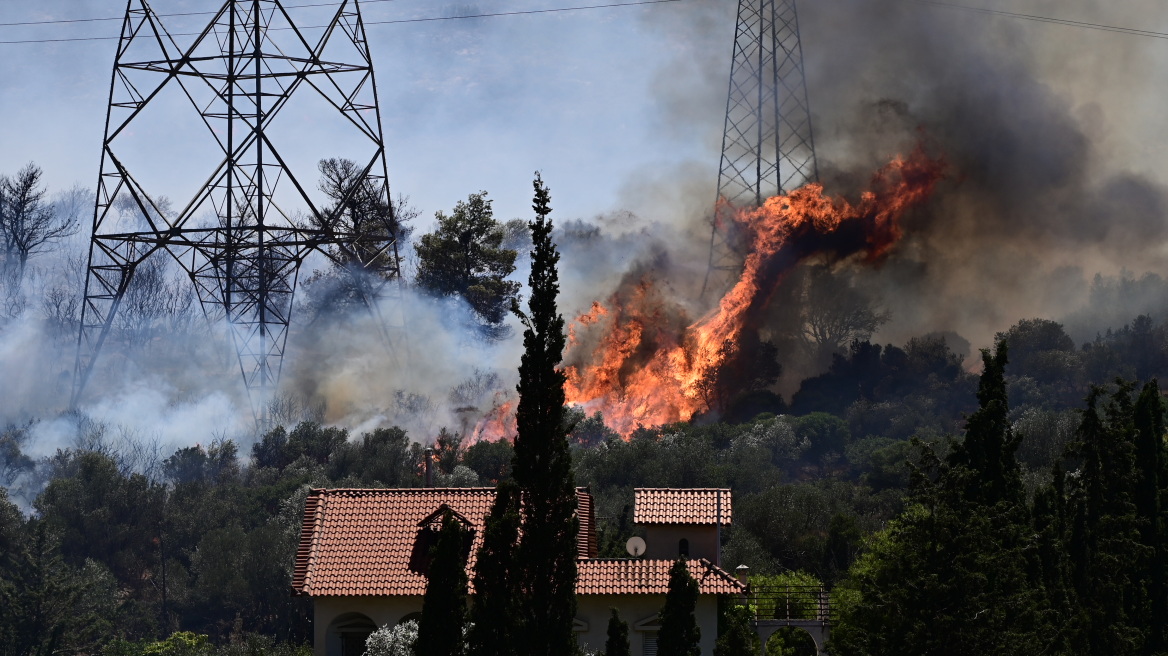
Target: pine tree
[(495, 616), (618, 636), (444, 606), (542, 463), (464, 256), (679, 635)]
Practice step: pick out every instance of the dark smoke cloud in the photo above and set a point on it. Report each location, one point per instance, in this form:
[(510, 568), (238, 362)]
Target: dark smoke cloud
[(1048, 185)]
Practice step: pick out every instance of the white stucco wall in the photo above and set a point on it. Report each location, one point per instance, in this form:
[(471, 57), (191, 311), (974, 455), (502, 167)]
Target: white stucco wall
[(382, 610), (634, 609), (592, 609)]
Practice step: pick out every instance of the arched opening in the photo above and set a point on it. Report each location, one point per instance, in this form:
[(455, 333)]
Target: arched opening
[(415, 616), (683, 547), (791, 641), (347, 635)]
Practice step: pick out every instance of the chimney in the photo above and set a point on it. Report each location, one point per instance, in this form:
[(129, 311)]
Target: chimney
[(743, 574), (428, 457)]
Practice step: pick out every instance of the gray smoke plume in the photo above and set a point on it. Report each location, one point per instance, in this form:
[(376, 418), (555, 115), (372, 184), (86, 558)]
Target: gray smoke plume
[(1050, 133), (1042, 125)]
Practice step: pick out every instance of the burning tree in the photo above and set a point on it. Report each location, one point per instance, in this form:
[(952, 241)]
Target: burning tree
[(649, 369)]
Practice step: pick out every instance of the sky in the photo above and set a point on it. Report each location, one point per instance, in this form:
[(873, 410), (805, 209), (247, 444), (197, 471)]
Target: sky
[(608, 103), (1054, 134), (467, 105)]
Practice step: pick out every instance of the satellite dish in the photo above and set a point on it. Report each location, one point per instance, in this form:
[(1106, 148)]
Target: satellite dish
[(635, 546)]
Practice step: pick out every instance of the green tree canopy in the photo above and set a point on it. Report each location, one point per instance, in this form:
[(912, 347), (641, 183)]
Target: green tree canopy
[(465, 257), (737, 635), (952, 574)]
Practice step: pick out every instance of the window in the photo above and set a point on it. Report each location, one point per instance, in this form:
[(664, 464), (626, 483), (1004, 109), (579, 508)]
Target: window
[(347, 634), (650, 645), (353, 644), (683, 547)]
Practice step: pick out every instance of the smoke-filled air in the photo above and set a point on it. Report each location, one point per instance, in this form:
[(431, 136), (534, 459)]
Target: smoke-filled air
[(891, 284), (971, 175)]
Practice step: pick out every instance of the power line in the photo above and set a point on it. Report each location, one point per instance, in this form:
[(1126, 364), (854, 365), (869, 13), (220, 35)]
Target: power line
[(189, 13), (1130, 31), (521, 13), (383, 22)]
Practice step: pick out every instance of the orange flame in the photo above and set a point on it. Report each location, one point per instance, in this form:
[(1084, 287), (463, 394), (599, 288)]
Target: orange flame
[(497, 424), (643, 372), (587, 319)]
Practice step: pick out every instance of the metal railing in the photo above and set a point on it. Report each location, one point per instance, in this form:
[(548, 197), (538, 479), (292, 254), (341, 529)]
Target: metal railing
[(809, 603)]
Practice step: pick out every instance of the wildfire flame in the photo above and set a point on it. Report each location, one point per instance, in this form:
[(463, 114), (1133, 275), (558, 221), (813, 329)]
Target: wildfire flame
[(645, 371), (497, 424)]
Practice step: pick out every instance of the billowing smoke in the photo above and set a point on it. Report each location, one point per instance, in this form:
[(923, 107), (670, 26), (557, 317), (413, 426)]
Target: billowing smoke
[(1047, 187), (1046, 190)]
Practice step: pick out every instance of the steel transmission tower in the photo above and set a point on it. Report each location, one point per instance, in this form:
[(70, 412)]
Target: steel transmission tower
[(250, 223), (767, 145)]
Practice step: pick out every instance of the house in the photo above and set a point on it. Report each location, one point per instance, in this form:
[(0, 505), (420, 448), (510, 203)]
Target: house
[(363, 556)]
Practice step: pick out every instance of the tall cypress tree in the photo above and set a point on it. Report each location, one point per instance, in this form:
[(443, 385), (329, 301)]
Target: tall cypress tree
[(988, 450), (1052, 529), (542, 463), (1151, 461), (618, 636), (1109, 560), (444, 606), (495, 615), (680, 635)]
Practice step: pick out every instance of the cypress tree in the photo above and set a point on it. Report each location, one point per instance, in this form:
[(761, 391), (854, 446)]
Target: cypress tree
[(444, 606), (494, 615), (953, 574), (542, 463), (680, 635), (1150, 483), (618, 636), (1108, 558), (990, 444), (1052, 531)]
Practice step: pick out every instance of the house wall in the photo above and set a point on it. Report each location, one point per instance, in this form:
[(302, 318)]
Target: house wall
[(382, 610), (643, 609), (592, 609), (661, 541)]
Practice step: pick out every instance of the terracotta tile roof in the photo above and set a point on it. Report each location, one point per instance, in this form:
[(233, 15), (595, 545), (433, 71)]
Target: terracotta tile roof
[(680, 505), (608, 576), (356, 542)]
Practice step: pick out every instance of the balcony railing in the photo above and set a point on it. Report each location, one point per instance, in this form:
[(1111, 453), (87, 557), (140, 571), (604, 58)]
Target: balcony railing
[(802, 603)]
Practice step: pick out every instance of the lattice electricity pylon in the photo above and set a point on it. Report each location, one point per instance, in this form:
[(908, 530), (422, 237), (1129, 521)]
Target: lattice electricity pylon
[(242, 235), (767, 144)]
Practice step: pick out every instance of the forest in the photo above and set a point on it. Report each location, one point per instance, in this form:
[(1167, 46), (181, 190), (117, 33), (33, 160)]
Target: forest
[(1012, 503)]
